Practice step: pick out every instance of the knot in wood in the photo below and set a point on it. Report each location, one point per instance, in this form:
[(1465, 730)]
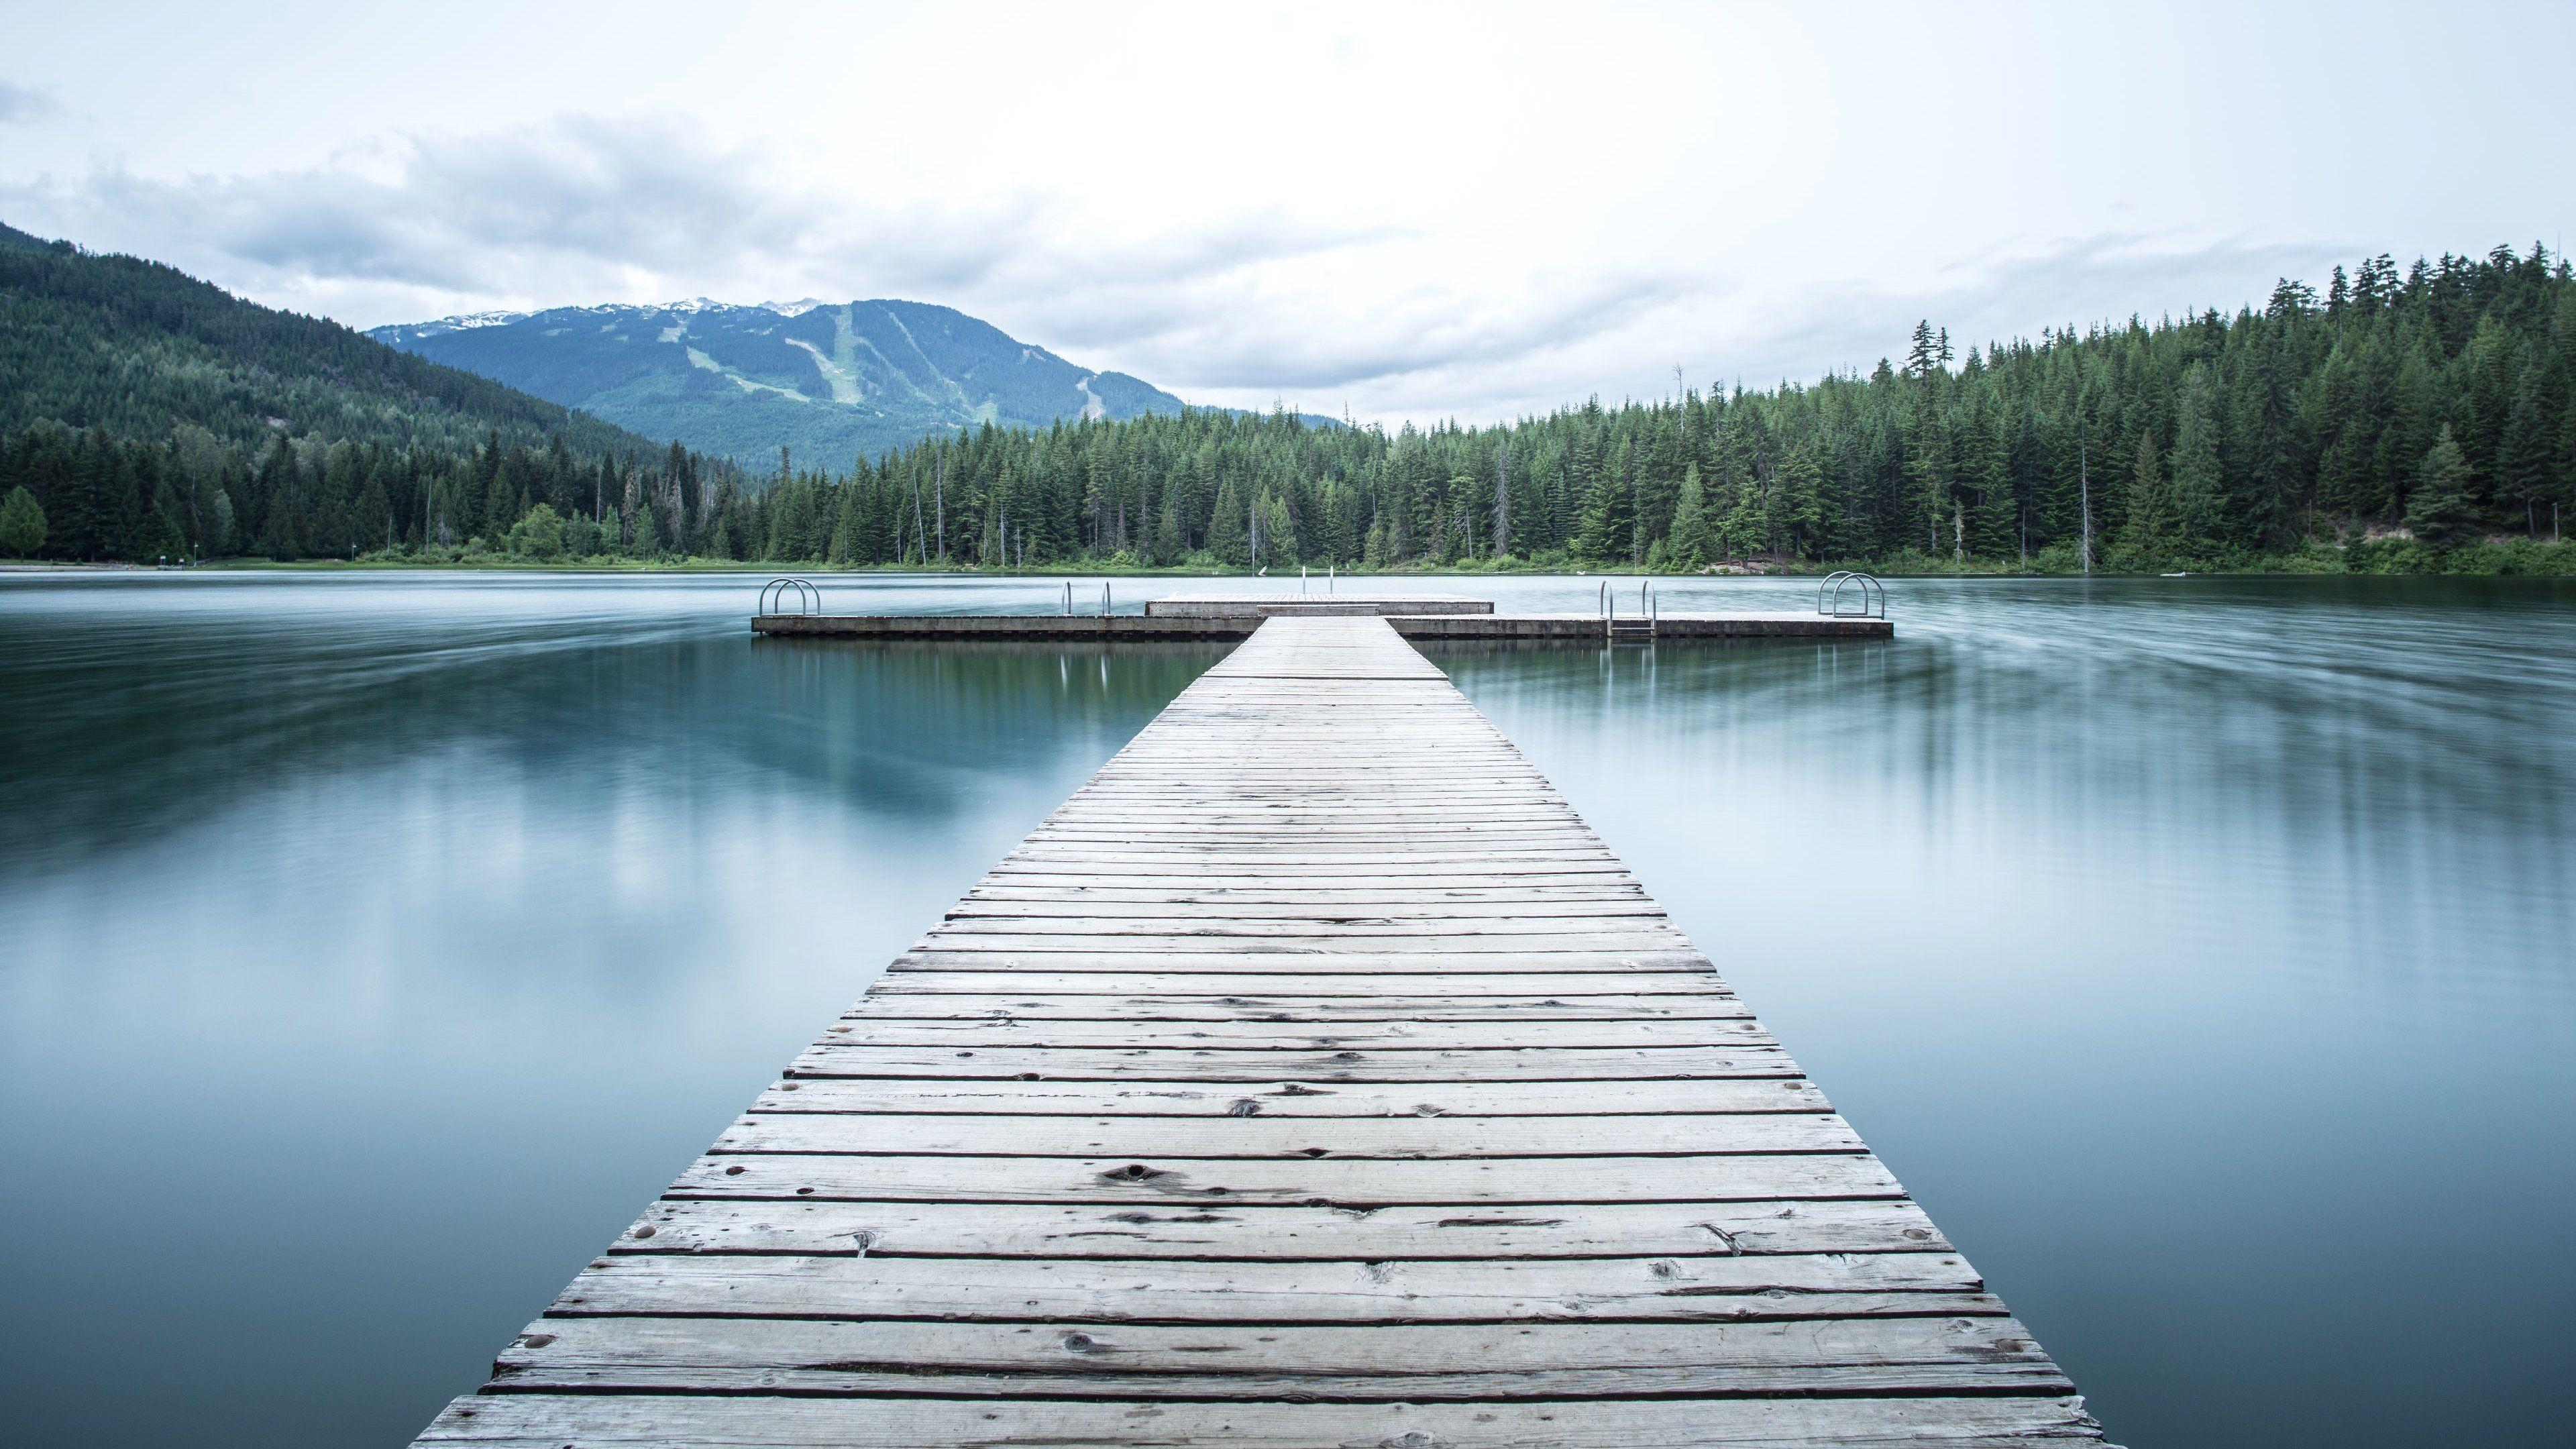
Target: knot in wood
[(1135, 1172)]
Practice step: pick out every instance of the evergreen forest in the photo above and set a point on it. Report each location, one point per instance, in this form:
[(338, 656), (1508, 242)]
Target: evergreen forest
[(2420, 418)]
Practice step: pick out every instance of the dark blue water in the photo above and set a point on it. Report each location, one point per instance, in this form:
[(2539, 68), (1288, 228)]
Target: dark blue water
[(373, 946)]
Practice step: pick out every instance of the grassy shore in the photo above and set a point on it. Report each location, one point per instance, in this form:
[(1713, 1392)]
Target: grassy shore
[(2389, 556), (2396, 555)]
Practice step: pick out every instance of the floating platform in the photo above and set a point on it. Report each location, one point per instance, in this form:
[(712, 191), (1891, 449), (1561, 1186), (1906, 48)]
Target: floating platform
[(1314, 1076), (1453, 624)]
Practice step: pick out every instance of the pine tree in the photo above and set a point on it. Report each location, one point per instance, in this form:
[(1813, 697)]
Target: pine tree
[(84, 518), (500, 501), (1928, 471), (22, 524), (2193, 518), (2144, 535), (2526, 457), (1229, 531), (1582, 477), (2438, 511), (1688, 546), (1794, 508), (1278, 533), (1603, 533)]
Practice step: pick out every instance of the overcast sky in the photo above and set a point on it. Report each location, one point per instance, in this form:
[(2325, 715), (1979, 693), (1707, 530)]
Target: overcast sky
[(1405, 211)]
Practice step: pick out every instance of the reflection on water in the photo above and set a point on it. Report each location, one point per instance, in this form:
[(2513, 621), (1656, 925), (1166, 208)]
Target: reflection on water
[(2198, 953), (376, 945)]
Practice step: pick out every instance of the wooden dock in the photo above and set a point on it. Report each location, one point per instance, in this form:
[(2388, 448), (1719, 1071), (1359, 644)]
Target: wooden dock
[(1313, 1077)]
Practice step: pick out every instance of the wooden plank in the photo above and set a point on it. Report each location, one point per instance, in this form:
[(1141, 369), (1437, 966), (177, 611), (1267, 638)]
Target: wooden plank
[(833, 1379), (1321, 1010), (1535, 915), (1402, 1035), (955, 953), (1177, 1063), (1313, 1076), (1320, 951), (1326, 1181), (1299, 1100), (1483, 1138), (949, 1229), (1742, 1289), (1321, 1363), (599, 1421), (1483, 880), (934, 975), (1274, 873), (1535, 926)]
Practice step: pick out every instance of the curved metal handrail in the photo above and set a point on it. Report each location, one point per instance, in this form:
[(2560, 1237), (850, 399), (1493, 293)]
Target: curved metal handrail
[(1829, 580), (773, 597), (1868, 594)]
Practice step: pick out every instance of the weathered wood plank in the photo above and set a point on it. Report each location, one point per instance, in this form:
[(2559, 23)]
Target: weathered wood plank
[(1238, 933), (1743, 1289), (1177, 1063), (830, 1379), (1055, 1230), (1277, 874), (935, 975), (1298, 1100), (1480, 1138), (608, 1421), (1482, 1035), (1325, 1181), (1213, 884), (1274, 1007), (1413, 1362), (1384, 956), (1542, 914)]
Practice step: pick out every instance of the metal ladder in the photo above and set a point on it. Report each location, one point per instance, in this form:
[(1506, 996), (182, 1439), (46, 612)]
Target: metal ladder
[(1638, 628)]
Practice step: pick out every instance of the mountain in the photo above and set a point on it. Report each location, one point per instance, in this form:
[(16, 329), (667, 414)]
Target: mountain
[(833, 381), (135, 347)]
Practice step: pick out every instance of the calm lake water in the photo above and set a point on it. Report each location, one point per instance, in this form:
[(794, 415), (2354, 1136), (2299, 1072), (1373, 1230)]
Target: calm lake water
[(373, 947)]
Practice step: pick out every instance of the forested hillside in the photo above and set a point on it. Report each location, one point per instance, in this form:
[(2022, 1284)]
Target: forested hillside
[(2420, 418), (150, 414)]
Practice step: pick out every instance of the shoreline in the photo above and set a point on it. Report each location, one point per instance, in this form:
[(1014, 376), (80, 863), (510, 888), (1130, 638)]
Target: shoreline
[(2558, 560)]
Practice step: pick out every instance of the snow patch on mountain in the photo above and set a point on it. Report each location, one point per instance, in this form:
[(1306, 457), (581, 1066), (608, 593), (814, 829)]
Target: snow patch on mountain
[(462, 322), (845, 388)]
